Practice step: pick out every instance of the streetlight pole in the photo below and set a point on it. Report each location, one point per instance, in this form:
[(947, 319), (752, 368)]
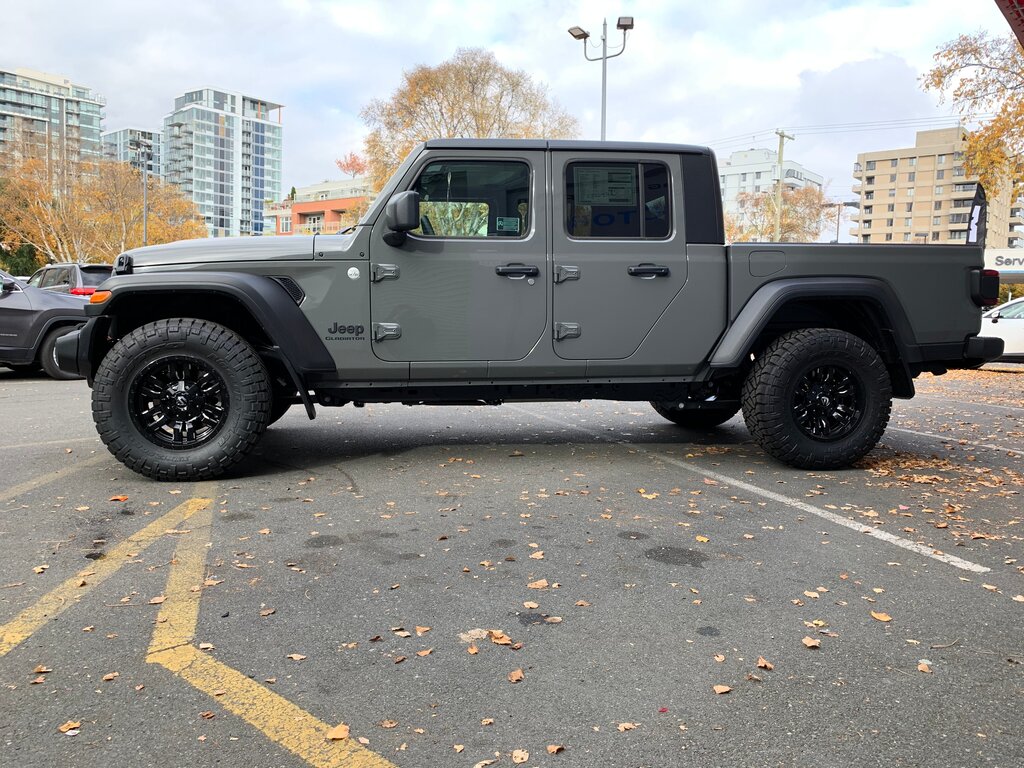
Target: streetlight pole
[(625, 23)]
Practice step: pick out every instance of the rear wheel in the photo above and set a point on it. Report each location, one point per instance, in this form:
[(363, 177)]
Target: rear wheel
[(48, 356), (181, 399), (817, 398)]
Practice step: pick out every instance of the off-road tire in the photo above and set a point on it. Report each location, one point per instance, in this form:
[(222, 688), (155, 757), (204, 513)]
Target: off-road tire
[(782, 381), (46, 355), (706, 417), (220, 355)]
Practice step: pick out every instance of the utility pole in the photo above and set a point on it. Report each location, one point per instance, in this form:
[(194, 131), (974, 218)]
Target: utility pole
[(778, 189)]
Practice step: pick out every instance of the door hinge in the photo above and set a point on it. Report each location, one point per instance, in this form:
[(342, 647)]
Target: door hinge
[(567, 331), (564, 272), (384, 272), (382, 331)]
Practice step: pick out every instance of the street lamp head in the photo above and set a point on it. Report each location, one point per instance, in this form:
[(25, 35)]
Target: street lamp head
[(579, 33), (625, 22)]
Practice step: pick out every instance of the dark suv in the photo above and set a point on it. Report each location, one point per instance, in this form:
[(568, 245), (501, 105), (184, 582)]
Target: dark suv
[(76, 279)]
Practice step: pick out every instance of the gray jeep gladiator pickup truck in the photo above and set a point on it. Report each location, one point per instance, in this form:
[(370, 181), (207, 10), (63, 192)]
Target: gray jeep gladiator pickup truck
[(499, 270)]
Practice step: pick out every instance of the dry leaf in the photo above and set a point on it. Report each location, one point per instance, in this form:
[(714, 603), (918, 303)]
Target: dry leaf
[(206, 647), (812, 595), (720, 689), (520, 756), (702, 539), (263, 531), (582, 604), (811, 642), (538, 555), (539, 584), (626, 727), (119, 497), (338, 732), (881, 616), (268, 612), (1018, 598), (421, 631), (458, 747), (553, 620), (487, 721), (472, 650), (719, 658), (38, 681), (923, 667), (157, 600), (531, 605), (42, 669), (69, 725), (295, 656), (515, 675), (208, 714), (425, 652), (484, 763), (990, 587), (763, 663), (388, 723), (40, 568), (399, 659), (110, 676), (554, 749)]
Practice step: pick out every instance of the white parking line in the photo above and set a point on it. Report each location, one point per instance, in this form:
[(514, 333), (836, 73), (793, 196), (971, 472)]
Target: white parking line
[(950, 438), (920, 549), (979, 406)]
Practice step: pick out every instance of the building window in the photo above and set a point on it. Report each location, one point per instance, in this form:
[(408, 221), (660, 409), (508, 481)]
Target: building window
[(474, 198), (935, 235), (286, 224), (939, 190), (892, 193), (890, 207), (888, 237), (941, 160), (867, 224), (906, 237), (893, 163), (910, 207), (888, 222), (912, 161), (940, 174), (892, 178), (910, 192), (958, 218), (912, 176), (743, 177), (959, 171), (938, 205), (869, 195), (869, 165), (865, 238), (869, 180), (617, 200), (868, 209), (936, 220), (907, 221), (757, 175), (958, 234)]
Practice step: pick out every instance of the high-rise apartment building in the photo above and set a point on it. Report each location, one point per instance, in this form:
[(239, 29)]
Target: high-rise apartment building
[(136, 146), (922, 194), (756, 171), (49, 114), (224, 150)]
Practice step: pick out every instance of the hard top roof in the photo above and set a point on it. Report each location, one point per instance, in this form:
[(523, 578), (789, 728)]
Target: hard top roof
[(566, 144)]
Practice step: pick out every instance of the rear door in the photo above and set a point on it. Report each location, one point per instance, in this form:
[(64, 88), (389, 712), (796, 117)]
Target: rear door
[(618, 250), (469, 285)]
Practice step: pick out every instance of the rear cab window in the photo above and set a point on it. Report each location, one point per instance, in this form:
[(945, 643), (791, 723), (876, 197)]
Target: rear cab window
[(618, 200)]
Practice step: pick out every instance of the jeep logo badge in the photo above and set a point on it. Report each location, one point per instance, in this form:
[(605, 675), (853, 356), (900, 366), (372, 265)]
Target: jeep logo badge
[(341, 332)]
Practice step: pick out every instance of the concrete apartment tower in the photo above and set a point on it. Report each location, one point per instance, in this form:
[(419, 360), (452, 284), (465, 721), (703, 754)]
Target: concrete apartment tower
[(135, 146), (757, 171), (922, 194), (224, 150), (49, 114)]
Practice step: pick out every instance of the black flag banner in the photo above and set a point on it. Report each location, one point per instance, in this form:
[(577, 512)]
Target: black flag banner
[(977, 226)]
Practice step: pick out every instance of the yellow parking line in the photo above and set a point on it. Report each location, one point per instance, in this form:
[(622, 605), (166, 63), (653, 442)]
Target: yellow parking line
[(66, 595), (277, 718), (30, 485)]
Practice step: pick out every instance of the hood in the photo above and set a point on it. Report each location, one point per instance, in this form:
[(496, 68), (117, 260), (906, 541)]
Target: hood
[(220, 250)]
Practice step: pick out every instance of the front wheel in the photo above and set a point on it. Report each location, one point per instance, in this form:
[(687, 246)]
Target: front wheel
[(181, 399), (818, 398)]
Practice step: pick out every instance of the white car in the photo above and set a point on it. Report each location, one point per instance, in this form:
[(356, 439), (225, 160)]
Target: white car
[(1007, 322)]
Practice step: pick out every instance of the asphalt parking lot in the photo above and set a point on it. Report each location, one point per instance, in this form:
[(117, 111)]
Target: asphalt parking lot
[(540, 584)]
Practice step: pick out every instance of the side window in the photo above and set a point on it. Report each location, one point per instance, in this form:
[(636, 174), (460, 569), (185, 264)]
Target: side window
[(50, 278), (37, 277), (1013, 313), (618, 200), (474, 198)]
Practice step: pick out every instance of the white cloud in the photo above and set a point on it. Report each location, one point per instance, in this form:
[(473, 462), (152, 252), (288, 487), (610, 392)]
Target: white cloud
[(693, 71)]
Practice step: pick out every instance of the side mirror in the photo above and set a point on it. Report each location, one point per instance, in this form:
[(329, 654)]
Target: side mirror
[(994, 317), (401, 215), (8, 286)]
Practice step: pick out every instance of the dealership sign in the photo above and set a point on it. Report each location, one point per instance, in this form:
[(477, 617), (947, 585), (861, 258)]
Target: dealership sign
[(1009, 261)]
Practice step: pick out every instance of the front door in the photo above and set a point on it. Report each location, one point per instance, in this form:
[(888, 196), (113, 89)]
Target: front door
[(618, 250), (469, 285)]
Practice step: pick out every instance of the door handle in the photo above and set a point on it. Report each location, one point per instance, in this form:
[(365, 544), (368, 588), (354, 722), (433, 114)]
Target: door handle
[(516, 271), (647, 270)]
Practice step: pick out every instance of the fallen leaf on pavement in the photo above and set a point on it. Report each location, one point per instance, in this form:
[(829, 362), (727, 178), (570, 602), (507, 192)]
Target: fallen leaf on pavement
[(720, 689), (69, 725), (421, 631), (763, 663), (883, 617), (623, 727), (208, 714), (338, 732), (539, 584), (268, 612), (119, 497), (157, 600), (520, 756), (487, 721), (472, 650), (811, 642), (484, 763), (295, 656), (554, 749), (530, 604), (388, 723), (425, 652), (719, 658), (263, 531), (110, 676), (515, 675), (42, 669), (923, 667), (40, 568), (538, 555), (702, 539)]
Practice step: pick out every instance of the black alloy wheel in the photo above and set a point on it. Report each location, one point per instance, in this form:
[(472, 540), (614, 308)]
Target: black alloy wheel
[(828, 401), (178, 402)]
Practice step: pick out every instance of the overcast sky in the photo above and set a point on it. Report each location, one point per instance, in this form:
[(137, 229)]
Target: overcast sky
[(694, 71)]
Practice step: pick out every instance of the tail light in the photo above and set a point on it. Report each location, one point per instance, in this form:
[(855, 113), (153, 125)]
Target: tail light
[(985, 287), (83, 291)]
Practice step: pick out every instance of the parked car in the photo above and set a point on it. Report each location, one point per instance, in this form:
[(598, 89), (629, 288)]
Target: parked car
[(31, 321), (1007, 323), (76, 279)]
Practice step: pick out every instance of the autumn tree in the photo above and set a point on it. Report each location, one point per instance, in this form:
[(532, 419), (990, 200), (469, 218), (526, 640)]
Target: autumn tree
[(89, 212), (982, 74), (805, 212), (352, 164), (470, 95)]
